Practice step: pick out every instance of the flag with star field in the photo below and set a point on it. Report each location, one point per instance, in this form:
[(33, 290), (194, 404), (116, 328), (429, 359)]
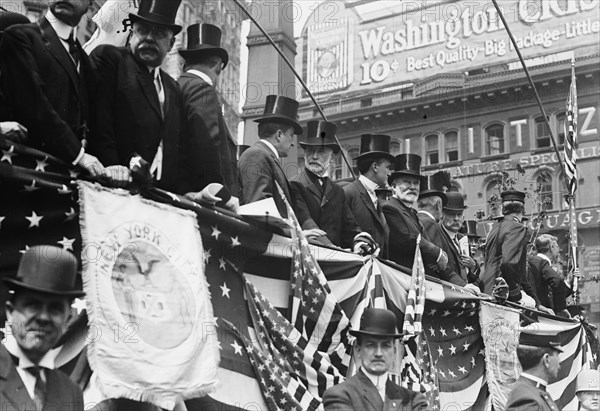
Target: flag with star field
[(243, 259)]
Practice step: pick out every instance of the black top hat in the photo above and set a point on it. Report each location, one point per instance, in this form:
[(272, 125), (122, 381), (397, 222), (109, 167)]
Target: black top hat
[(469, 228), (387, 190), (513, 195), (441, 179), (456, 201), (538, 340), (8, 18), (375, 146), (158, 12), (377, 322), (429, 189), (203, 39), (46, 269), (406, 165), (280, 109), (321, 133)]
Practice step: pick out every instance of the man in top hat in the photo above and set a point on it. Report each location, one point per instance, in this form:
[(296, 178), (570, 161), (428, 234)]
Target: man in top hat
[(139, 106), (212, 150), (469, 229), (260, 166), (325, 201), (506, 247), (47, 81), (374, 164), (403, 219), (37, 312), (455, 244), (539, 358), (549, 287), (587, 389), (370, 389)]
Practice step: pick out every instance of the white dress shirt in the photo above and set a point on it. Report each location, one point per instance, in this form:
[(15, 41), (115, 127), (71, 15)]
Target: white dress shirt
[(379, 381), (370, 186), (271, 147), (202, 75)]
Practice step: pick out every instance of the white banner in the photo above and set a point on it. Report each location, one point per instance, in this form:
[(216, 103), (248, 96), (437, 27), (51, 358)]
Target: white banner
[(152, 334)]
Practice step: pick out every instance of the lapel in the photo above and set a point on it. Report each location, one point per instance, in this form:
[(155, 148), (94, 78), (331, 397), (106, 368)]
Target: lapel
[(57, 50), (366, 199), (13, 388), (282, 180), (311, 185), (146, 80), (328, 192), (370, 391), (452, 247)]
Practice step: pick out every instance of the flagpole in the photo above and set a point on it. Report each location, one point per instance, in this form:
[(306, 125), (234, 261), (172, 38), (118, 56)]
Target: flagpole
[(291, 66)]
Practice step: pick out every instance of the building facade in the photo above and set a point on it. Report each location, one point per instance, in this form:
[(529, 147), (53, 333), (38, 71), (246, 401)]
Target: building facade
[(444, 82)]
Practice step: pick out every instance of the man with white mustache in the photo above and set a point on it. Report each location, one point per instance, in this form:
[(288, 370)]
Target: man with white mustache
[(403, 220)]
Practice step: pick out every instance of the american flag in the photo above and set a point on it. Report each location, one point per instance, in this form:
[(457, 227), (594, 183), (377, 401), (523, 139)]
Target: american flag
[(571, 134), (415, 304)]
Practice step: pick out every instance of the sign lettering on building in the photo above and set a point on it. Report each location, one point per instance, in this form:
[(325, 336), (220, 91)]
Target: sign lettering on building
[(414, 43)]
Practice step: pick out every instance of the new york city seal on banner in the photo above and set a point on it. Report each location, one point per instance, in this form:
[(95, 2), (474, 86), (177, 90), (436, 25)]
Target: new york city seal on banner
[(147, 298)]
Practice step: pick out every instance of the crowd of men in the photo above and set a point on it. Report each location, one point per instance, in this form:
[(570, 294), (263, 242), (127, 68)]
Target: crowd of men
[(98, 112)]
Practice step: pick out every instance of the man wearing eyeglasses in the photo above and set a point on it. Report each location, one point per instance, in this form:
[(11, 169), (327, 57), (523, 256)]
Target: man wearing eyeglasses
[(140, 106)]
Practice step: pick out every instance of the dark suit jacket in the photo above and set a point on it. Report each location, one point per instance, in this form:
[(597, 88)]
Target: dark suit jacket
[(549, 286), (371, 220), (327, 208), (61, 393), (506, 253), (258, 171), (524, 396), (45, 92), (129, 118), (210, 146), (433, 232), (358, 393), (405, 227)]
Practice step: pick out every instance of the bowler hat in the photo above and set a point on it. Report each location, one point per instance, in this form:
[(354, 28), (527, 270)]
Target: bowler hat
[(375, 146), (8, 18), (456, 201), (377, 322), (321, 133), (407, 165), (280, 109), (204, 39), (470, 228), (158, 12), (513, 195), (540, 340), (429, 189), (46, 269)]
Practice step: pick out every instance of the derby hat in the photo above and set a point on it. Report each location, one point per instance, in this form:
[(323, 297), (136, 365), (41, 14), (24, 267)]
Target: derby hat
[(375, 146), (8, 18), (513, 195), (46, 269), (204, 39), (406, 165), (539, 340), (469, 228), (456, 201), (280, 109), (321, 133), (429, 189), (158, 12), (377, 322)]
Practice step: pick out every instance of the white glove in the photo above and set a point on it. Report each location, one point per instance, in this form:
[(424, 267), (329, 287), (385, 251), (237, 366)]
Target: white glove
[(526, 300)]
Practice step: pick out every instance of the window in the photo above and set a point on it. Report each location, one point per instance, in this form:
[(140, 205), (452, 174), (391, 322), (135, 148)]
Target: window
[(336, 168), (451, 146), (395, 148), (563, 203), (494, 139), (432, 149), (353, 152), (560, 127), (542, 134), (544, 183)]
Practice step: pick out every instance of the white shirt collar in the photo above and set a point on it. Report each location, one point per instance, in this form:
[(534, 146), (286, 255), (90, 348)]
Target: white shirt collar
[(271, 146), (202, 75), (427, 213), (24, 362), (450, 233), (61, 28), (375, 378), (534, 378), (369, 185), (545, 257)]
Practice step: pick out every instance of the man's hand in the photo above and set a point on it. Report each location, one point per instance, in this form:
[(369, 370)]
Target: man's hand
[(314, 233), (546, 310), (14, 131), (472, 288), (119, 176), (442, 261), (206, 196), (364, 244), (468, 262), (233, 204), (92, 165)]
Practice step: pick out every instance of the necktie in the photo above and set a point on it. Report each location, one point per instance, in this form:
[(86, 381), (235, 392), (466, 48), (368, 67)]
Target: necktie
[(160, 91), (39, 391), (73, 51)]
